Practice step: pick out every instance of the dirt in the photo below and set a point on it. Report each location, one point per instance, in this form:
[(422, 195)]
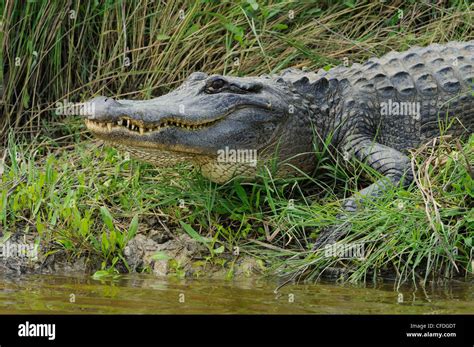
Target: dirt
[(183, 255), (157, 251)]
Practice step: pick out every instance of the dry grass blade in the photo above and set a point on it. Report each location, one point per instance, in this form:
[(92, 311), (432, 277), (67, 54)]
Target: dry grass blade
[(421, 175)]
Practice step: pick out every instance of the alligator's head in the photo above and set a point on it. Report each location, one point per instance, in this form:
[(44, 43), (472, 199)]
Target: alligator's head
[(224, 125)]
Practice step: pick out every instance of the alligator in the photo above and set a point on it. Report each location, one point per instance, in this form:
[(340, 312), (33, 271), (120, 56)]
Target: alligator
[(372, 113)]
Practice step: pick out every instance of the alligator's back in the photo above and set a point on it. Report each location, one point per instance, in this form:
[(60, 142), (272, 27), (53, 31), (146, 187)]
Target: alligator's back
[(413, 91)]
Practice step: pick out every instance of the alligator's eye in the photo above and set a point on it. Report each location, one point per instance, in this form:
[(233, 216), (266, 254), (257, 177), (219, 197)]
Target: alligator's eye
[(215, 85)]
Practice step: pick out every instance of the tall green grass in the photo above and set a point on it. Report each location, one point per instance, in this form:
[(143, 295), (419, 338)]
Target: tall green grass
[(55, 51)]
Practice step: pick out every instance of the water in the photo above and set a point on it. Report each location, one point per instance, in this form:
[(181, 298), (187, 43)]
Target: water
[(148, 294)]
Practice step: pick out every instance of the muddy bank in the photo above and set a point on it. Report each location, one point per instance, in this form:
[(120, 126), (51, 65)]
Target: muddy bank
[(160, 253)]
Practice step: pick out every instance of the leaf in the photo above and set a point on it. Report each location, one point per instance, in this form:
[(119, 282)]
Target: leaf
[(112, 240), (105, 274), (237, 31), (192, 29), (107, 218), (100, 274), (26, 99), (84, 226), (193, 233), (160, 256), (350, 4), (468, 241), (5, 237), (104, 243), (219, 250), (54, 218), (253, 4), (124, 262), (67, 244), (40, 227), (240, 191), (132, 229), (162, 37), (280, 26)]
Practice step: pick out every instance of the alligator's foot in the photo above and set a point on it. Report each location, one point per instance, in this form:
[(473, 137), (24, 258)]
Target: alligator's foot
[(331, 235)]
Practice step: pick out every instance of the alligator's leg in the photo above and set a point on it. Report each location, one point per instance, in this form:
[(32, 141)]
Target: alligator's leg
[(392, 164)]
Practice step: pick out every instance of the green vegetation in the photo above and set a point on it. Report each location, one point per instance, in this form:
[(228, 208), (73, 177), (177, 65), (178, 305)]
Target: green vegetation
[(90, 200), (85, 199)]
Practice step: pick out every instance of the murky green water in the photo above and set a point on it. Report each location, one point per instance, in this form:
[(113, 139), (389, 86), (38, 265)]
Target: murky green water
[(148, 294)]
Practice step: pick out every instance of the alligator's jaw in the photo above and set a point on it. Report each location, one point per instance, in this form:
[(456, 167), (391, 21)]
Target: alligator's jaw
[(125, 134), (136, 133), (159, 158), (134, 127), (210, 167)]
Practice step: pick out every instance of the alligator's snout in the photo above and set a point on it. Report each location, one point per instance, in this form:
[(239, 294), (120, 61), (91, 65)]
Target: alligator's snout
[(99, 108), (104, 114)]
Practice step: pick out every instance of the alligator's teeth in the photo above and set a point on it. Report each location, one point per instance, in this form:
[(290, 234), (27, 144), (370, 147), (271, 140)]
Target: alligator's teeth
[(128, 123), (109, 126), (120, 122), (142, 131)]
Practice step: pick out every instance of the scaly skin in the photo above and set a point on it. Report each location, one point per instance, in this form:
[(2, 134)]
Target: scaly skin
[(285, 116)]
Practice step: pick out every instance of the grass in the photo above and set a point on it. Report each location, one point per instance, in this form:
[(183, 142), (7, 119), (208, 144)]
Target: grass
[(84, 199), (420, 234), (135, 49)]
